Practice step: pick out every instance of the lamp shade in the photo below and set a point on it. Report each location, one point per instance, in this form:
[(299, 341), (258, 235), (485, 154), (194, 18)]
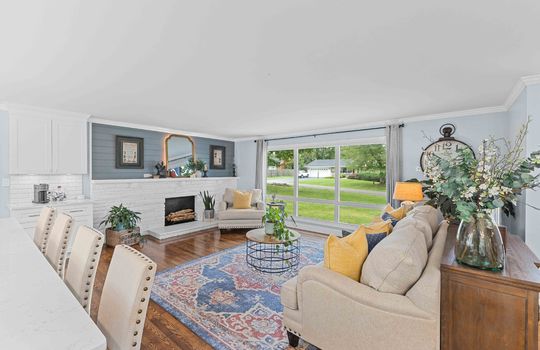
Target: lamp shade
[(408, 191)]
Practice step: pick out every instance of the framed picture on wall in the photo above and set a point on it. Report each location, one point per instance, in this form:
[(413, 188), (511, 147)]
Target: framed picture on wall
[(129, 152), (217, 157)]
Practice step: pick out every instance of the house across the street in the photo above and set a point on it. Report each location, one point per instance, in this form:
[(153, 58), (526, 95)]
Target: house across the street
[(324, 167)]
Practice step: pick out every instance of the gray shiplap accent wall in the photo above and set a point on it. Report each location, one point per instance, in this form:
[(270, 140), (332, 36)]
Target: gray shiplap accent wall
[(104, 152), (202, 151)]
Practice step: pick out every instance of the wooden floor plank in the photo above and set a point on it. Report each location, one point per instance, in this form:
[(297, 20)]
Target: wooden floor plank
[(161, 330)]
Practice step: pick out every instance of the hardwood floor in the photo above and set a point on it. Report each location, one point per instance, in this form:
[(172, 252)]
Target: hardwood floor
[(162, 330)]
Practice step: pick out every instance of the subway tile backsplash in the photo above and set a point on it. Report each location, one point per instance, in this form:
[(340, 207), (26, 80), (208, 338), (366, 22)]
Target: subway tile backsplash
[(21, 190)]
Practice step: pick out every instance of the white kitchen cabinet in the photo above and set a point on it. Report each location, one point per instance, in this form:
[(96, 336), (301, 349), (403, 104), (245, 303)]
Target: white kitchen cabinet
[(47, 142), (69, 146), (81, 212), (30, 145)]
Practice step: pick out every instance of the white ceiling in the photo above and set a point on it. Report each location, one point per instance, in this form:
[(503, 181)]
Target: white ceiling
[(243, 68)]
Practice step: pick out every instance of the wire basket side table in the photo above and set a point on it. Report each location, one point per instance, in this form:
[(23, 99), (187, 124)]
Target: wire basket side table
[(267, 254)]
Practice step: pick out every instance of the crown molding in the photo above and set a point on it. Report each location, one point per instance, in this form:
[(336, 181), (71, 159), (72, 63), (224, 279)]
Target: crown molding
[(39, 111), (247, 138), (531, 79), (454, 114), (518, 88), (412, 119), (96, 120)]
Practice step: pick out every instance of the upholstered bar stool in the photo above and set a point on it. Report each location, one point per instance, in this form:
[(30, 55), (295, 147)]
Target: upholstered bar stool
[(43, 227), (125, 297), (82, 265), (55, 251)]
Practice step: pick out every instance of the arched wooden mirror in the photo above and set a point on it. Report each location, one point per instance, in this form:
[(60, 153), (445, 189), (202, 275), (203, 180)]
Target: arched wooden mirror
[(179, 149)]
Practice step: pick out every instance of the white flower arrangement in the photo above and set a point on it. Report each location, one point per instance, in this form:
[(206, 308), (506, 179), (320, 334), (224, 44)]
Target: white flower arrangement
[(467, 187)]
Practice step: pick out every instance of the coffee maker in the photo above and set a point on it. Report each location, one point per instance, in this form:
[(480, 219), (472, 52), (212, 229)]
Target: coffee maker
[(41, 193)]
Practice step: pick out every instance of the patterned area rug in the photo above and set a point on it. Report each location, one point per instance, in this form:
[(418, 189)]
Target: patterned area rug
[(227, 303)]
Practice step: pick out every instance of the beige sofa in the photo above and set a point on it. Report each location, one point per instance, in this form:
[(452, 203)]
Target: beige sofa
[(229, 218), (396, 304)]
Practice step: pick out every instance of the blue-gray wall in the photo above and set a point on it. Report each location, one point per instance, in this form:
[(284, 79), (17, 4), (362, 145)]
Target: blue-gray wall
[(532, 220), (104, 152), (517, 116), (470, 129), (4, 163)]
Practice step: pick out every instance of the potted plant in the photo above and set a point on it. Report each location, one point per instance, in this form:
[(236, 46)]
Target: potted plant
[(470, 189), (123, 226), (209, 204), (271, 216)]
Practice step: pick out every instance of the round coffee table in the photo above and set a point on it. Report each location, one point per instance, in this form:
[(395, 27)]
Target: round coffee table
[(267, 254)]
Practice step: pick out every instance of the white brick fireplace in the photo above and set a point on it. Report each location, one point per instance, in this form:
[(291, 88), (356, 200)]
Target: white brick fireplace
[(148, 197)]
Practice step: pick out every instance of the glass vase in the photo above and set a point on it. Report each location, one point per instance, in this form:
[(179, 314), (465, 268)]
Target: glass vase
[(479, 244)]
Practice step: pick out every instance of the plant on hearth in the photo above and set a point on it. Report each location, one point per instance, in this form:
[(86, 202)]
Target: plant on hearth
[(208, 200), (209, 204), (121, 218)]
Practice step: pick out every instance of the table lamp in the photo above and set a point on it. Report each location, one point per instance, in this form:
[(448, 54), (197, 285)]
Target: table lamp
[(408, 193)]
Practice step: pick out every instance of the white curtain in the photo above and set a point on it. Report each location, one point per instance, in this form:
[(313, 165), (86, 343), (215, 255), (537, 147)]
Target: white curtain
[(260, 171), (393, 161)]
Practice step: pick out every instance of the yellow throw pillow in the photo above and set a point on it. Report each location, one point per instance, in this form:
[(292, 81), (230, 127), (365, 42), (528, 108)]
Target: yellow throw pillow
[(376, 220), (398, 213), (346, 255), (378, 227), (241, 200), (376, 232)]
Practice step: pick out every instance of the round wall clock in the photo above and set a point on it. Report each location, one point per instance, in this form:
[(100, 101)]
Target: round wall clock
[(446, 146)]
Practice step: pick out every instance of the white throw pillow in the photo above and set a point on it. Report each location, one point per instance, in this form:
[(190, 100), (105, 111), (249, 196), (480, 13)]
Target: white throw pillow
[(397, 262), (256, 195), (228, 196)]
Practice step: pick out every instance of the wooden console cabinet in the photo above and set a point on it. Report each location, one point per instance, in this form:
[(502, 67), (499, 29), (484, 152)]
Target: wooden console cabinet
[(484, 310)]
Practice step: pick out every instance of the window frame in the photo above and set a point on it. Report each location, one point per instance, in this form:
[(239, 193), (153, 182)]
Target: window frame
[(336, 202)]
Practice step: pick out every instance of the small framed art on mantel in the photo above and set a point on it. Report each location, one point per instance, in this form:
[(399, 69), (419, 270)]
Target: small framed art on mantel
[(217, 157), (129, 152)]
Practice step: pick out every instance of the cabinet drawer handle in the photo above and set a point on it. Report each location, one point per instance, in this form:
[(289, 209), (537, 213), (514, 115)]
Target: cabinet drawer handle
[(33, 216), (76, 211)]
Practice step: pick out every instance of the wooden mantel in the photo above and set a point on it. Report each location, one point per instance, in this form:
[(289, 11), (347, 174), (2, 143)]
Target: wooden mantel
[(490, 310)]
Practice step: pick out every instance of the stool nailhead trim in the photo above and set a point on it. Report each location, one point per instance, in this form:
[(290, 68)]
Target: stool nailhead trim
[(145, 292)]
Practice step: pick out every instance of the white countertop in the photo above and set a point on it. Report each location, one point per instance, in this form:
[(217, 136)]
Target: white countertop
[(64, 203), (37, 310), (167, 179)]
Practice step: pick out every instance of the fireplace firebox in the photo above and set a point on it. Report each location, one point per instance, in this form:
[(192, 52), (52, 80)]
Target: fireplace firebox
[(179, 210)]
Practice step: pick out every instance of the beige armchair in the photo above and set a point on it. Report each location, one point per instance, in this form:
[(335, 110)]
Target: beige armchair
[(229, 218)]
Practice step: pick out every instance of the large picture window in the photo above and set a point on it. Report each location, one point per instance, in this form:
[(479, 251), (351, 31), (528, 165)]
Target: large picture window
[(340, 184)]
